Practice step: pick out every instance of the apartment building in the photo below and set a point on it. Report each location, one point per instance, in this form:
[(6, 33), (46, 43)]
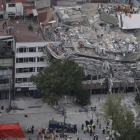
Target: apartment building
[(29, 60), (7, 57)]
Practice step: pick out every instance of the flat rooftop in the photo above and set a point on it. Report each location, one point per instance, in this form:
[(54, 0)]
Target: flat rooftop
[(19, 29)]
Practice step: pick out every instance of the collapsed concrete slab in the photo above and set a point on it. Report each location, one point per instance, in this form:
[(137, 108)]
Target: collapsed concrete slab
[(108, 18)]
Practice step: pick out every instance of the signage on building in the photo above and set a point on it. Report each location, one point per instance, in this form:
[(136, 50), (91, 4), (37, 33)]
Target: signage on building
[(30, 85), (18, 89), (32, 88)]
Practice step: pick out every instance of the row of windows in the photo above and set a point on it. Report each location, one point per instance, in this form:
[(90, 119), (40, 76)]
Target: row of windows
[(33, 49), (31, 69), (30, 59), (22, 80)]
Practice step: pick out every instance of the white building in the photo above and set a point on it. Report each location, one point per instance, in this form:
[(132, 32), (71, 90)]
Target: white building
[(14, 9), (29, 60)]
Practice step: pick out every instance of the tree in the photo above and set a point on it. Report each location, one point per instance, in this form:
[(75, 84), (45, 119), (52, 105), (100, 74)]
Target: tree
[(61, 77), (122, 117), (131, 134), (83, 96)]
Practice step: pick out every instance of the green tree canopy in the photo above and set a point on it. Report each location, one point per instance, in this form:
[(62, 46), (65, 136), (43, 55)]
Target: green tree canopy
[(61, 77), (83, 96), (122, 117), (131, 134)]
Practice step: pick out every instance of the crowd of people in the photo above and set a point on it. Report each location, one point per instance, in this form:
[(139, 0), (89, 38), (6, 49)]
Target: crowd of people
[(90, 128), (120, 8), (30, 129)]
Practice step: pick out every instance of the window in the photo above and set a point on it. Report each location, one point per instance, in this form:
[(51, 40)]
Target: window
[(39, 69), (25, 80), (25, 60), (32, 49), (19, 80), (20, 60), (40, 59), (21, 50), (24, 70), (41, 49), (31, 59), (22, 80), (11, 14), (11, 5)]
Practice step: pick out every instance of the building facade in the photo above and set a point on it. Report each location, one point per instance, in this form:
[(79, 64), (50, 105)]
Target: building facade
[(29, 60), (7, 67)]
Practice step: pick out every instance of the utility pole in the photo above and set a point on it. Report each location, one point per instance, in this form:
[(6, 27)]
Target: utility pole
[(64, 109), (91, 87), (10, 93), (10, 81)]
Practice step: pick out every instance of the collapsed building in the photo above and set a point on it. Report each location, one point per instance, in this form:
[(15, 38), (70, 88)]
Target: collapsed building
[(96, 40)]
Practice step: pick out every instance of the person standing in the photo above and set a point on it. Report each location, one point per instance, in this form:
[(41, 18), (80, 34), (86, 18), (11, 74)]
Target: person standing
[(100, 125), (103, 130), (82, 126), (32, 129), (97, 121), (96, 136), (108, 122), (91, 121), (39, 131), (113, 137), (85, 130), (108, 130), (91, 132)]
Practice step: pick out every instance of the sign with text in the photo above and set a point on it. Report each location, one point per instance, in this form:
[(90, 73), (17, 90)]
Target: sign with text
[(30, 85)]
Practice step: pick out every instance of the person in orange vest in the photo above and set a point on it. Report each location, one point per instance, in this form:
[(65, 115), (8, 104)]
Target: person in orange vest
[(39, 131)]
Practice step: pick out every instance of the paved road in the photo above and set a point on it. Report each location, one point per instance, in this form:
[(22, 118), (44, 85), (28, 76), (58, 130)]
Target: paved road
[(42, 119)]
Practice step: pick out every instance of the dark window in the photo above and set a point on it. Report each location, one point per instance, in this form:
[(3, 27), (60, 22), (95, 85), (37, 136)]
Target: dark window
[(22, 50), (32, 49), (25, 80), (24, 70), (11, 5), (16, 60), (19, 80), (40, 49), (20, 60), (39, 69), (40, 59)]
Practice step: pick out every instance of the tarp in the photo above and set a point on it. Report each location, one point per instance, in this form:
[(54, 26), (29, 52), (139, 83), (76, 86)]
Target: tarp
[(11, 130)]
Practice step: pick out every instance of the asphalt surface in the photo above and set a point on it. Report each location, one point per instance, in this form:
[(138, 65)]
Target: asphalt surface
[(39, 117)]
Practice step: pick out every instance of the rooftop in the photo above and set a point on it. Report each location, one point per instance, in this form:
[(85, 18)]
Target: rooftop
[(45, 15), (19, 29), (15, 1)]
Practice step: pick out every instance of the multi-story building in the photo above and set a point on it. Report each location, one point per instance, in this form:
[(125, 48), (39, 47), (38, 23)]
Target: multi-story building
[(29, 56), (29, 60), (7, 47), (18, 8)]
